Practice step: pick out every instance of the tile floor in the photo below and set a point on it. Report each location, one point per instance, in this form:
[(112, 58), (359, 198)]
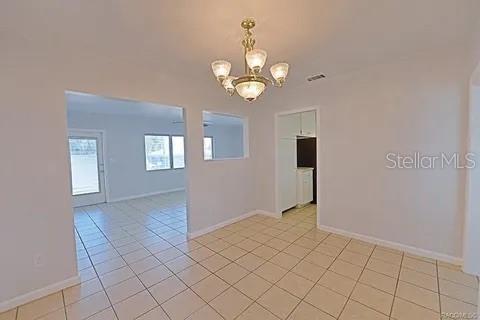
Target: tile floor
[(135, 263)]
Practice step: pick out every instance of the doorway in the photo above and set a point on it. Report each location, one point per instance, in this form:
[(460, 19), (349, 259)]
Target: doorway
[(296, 161), (87, 168)]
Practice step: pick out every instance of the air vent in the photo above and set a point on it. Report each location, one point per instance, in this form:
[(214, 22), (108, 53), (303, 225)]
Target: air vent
[(316, 77)]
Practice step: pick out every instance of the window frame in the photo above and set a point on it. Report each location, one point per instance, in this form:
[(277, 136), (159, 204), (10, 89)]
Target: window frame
[(213, 148), (169, 151)]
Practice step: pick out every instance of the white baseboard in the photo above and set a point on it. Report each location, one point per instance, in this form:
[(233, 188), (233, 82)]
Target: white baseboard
[(227, 222), (395, 245), (39, 293), (143, 195), (268, 213)]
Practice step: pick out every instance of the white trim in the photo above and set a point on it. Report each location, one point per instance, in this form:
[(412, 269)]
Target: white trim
[(395, 245), (275, 215), (143, 195), (230, 221), (39, 293)]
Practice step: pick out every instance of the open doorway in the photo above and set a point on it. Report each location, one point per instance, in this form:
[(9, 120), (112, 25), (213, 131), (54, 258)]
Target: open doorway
[(296, 162), (127, 165)]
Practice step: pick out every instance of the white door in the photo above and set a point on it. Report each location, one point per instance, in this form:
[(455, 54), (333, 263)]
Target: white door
[(87, 167)]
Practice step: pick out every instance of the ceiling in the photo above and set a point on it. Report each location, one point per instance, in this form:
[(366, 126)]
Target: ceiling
[(179, 38)]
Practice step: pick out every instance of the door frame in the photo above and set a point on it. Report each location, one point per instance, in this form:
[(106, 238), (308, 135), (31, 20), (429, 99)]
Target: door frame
[(278, 211), (104, 153)]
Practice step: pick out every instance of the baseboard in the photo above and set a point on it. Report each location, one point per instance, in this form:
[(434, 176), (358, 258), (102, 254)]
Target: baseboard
[(395, 245), (227, 222), (268, 213), (143, 195), (39, 293)]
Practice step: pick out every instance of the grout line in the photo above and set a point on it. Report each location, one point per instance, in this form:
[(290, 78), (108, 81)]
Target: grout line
[(95, 270), (326, 270), (356, 283), (396, 285), (438, 288), (64, 306), (173, 274)]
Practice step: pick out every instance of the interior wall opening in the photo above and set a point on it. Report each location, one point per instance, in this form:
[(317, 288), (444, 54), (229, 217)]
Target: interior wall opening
[(297, 162), (127, 168), (224, 136)]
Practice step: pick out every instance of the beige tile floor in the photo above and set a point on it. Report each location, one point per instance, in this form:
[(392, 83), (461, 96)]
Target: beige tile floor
[(135, 263)]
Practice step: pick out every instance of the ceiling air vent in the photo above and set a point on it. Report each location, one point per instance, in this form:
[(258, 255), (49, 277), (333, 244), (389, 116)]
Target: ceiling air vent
[(316, 77)]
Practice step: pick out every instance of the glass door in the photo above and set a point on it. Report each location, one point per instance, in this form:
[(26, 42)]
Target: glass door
[(87, 167)]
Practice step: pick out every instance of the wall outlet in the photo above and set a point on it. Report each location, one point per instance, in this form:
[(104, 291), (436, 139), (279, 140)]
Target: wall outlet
[(39, 261)]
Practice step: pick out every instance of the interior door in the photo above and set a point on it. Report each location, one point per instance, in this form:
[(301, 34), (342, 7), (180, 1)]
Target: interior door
[(86, 167)]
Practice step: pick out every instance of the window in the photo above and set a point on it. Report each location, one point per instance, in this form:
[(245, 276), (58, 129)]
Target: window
[(157, 152), (208, 148), (178, 152)]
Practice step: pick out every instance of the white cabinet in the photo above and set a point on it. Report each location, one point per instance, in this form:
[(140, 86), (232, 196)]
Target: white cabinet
[(294, 186), (308, 124), (289, 126), (304, 186), (287, 166)]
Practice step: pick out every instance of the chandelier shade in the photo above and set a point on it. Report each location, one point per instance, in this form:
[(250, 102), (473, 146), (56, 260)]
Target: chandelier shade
[(221, 69), (252, 84), (256, 59), (250, 87), (279, 72), (228, 85)]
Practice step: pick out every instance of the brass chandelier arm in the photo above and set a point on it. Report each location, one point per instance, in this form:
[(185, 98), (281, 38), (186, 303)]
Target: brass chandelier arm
[(248, 41)]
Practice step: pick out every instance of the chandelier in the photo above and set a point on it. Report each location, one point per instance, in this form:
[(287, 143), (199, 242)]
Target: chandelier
[(252, 84)]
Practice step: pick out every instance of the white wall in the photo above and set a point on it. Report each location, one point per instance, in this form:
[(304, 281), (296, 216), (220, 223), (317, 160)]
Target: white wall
[(227, 140), (35, 208), (415, 104), (125, 152)]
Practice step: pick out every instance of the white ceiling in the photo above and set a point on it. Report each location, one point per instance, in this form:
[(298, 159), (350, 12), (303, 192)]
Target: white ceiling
[(178, 39)]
